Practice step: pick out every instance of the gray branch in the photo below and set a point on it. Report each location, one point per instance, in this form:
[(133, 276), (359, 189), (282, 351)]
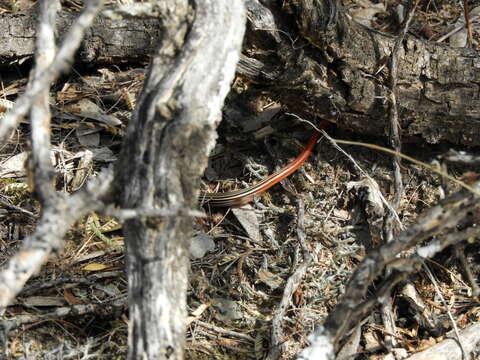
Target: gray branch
[(54, 223), (60, 64), (164, 154), (60, 214), (40, 115)]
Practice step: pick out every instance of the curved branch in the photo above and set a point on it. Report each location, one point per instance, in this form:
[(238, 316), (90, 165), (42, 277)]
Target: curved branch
[(164, 154)]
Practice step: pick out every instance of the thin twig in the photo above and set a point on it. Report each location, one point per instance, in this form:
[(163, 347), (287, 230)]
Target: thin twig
[(472, 189), (442, 299), (9, 206), (127, 214), (392, 152), (64, 279), (396, 144), (468, 23), (42, 170), (363, 172), (460, 252), (440, 218), (225, 331), (104, 309), (56, 220), (437, 245), (292, 284), (60, 64), (473, 20), (394, 136), (335, 142), (62, 213)]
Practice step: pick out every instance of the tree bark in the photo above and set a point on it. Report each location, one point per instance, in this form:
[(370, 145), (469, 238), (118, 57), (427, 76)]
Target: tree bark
[(333, 69), (319, 62), (164, 154), (120, 40)]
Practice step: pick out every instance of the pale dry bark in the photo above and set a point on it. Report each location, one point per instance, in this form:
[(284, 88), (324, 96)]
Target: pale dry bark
[(40, 116), (128, 39), (173, 130), (59, 212), (164, 154), (449, 348)]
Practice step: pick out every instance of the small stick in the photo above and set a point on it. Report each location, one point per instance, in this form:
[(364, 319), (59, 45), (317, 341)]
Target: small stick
[(468, 23), (292, 284)]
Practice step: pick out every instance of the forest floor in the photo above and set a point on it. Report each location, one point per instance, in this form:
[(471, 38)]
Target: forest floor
[(241, 259)]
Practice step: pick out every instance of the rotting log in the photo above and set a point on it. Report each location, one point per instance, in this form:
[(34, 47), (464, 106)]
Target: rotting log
[(311, 56)]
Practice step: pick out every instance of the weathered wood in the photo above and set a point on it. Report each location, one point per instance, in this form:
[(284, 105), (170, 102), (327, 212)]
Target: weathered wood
[(164, 154), (61, 212), (315, 59), (331, 70), (113, 41), (449, 349)]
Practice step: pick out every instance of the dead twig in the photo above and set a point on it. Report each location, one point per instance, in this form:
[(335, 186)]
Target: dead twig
[(18, 209), (460, 252), (225, 331), (364, 173), (292, 284), (104, 309), (460, 183), (60, 64), (54, 223), (86, 280), (394, 130), (468, 23), (396, 144), (59, 212), (449, 348), (444, 303), (41, 172), (440, 218)]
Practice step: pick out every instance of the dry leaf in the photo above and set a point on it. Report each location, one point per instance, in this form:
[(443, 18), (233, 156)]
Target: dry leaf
[(95, 267), (14, 166), (40, 301), (272, 280), (89, 109), (70, 298)]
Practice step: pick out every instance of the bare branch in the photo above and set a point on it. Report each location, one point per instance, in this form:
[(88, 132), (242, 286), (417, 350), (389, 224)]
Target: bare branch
[(60, 64), (395, 140), (437, 219), (164, 154), (292, 284), (42, 172), (54, 223)]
